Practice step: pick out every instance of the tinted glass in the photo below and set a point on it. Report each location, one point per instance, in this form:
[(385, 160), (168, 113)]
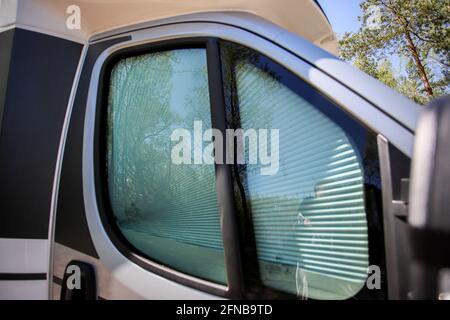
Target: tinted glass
[(168, 212), (309, 217)]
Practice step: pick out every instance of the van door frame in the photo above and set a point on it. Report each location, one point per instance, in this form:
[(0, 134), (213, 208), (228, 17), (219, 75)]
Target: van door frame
[(141, 280)]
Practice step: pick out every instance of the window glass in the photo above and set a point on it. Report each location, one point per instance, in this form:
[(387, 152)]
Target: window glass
[(168, 212), (308, 217)]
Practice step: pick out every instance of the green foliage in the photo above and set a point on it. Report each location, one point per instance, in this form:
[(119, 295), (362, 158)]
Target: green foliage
[(417, 30), (386, 75)]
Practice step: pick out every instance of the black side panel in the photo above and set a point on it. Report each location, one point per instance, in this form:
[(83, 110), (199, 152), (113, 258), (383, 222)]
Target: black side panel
[(71, 225), (41, 72)]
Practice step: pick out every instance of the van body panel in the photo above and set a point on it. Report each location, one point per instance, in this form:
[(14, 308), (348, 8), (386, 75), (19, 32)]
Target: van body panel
[(49, 110)]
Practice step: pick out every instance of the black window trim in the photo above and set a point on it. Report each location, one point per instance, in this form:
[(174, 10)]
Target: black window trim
[(234, 287)]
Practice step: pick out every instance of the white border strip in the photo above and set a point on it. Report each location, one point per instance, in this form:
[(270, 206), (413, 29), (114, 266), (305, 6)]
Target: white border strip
[(23, 255)]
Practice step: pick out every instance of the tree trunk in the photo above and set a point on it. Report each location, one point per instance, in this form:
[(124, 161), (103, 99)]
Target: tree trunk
[(420, 68)]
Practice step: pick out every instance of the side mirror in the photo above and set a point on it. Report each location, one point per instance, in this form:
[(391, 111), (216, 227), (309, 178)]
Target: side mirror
[(429, 204)]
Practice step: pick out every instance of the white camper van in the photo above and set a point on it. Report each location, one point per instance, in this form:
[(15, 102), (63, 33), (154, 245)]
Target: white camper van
[(91, 93)]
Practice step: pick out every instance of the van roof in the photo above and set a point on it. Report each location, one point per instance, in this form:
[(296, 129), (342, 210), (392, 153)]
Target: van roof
[(305, 18)]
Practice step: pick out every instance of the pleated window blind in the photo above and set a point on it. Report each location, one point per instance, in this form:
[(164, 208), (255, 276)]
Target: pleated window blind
[(309, 219), (168, 212)]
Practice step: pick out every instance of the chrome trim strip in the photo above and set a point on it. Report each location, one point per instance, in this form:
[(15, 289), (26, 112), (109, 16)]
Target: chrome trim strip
[(59, 160)]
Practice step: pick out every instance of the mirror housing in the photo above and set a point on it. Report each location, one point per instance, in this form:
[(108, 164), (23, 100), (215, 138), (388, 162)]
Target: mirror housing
[(429, 204)]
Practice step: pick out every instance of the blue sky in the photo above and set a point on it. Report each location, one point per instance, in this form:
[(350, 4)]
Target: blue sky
[(343, 14)]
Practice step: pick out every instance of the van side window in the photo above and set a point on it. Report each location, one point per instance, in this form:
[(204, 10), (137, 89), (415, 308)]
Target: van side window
[(166, 212), (308, 221)]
